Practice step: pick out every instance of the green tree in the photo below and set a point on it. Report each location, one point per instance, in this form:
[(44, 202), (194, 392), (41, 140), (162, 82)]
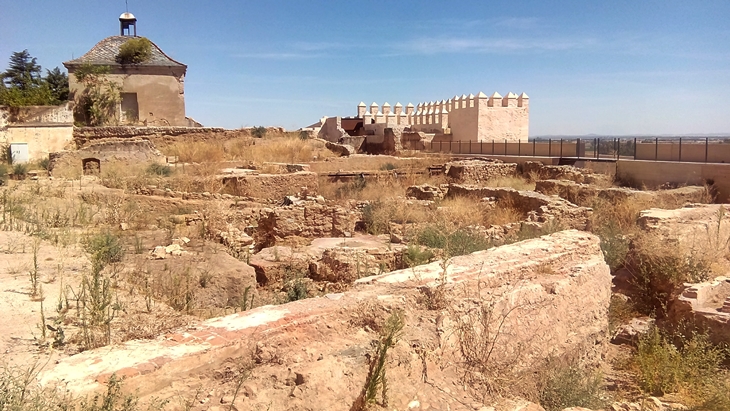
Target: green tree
[(23, 72), (97, 104), (58, 84), (23, 85)]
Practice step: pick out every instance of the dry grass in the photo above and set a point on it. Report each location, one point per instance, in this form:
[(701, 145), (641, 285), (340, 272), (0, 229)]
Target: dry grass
[(468, 211), (383, 188), (516, 182), (372, 163), (282, 148)]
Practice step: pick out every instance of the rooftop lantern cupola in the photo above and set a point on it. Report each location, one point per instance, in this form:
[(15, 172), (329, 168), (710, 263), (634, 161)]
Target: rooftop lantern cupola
[(127, 23)]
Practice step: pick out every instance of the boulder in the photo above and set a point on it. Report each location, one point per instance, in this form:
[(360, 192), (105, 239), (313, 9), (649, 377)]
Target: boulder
[(631, 332), (342, 150)]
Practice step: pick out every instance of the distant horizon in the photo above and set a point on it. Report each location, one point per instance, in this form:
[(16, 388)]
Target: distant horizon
[(657, 67), (667, 135)]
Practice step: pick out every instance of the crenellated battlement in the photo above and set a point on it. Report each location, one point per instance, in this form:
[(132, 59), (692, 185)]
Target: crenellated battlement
[(474, 117)]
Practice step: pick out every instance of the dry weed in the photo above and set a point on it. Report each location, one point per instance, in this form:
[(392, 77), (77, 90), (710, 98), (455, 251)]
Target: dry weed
[(281, 148), (516, 182)]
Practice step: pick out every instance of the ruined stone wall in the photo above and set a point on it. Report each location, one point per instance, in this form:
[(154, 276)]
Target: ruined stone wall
[(312, 220), (128, 150), (332, 130), (585, 194), (83, 135), (271, 186), (538, 208), (478, 171)]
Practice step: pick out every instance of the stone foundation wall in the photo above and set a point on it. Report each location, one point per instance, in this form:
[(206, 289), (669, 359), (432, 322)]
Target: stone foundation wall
[(271, 186), (584, 194), (478, 171), (538, 207), (312, 220), (132, 150)]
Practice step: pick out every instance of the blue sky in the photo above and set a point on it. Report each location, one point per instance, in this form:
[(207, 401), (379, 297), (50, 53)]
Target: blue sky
[(607, 67)]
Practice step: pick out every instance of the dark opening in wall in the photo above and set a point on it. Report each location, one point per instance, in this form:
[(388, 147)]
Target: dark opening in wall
[(91, 166)]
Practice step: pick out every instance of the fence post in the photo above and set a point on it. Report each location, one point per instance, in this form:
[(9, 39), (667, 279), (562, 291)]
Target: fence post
[(680, 149), (656, 149), (618, 150), (469, 146), (505, 146), (595, 147), (481, 147), (451, 150), (534, 142), (550, 147), (707, 141), (577, 149), (561, 148), (635, 148), (493, 147), (519, 148)]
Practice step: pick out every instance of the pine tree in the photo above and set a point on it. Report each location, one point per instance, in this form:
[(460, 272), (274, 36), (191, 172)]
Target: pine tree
[(23, 72), (58, 83)]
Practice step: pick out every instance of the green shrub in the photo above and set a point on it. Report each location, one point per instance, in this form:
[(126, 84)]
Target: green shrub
[(258, 132), (20, 392), (20, 169), (458, 242), (658, 270), (134, 51), (304, 135), (569, 386), (414, 256), (157, 169), (614, 244), (44, 163), (432, 237), (669, 364), (464, 241), (3, 171), (297, 290), (105, 248), (388, 167)]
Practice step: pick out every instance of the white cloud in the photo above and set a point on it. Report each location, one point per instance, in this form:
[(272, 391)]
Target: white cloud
[(428, 45)]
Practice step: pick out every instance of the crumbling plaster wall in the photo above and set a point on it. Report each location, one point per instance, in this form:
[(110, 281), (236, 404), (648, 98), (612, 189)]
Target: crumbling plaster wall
[(45, 129), (160, 93)]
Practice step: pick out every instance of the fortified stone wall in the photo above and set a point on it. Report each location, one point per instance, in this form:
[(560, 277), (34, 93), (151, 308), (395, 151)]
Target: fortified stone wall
[(468, 118), (462, 119)]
